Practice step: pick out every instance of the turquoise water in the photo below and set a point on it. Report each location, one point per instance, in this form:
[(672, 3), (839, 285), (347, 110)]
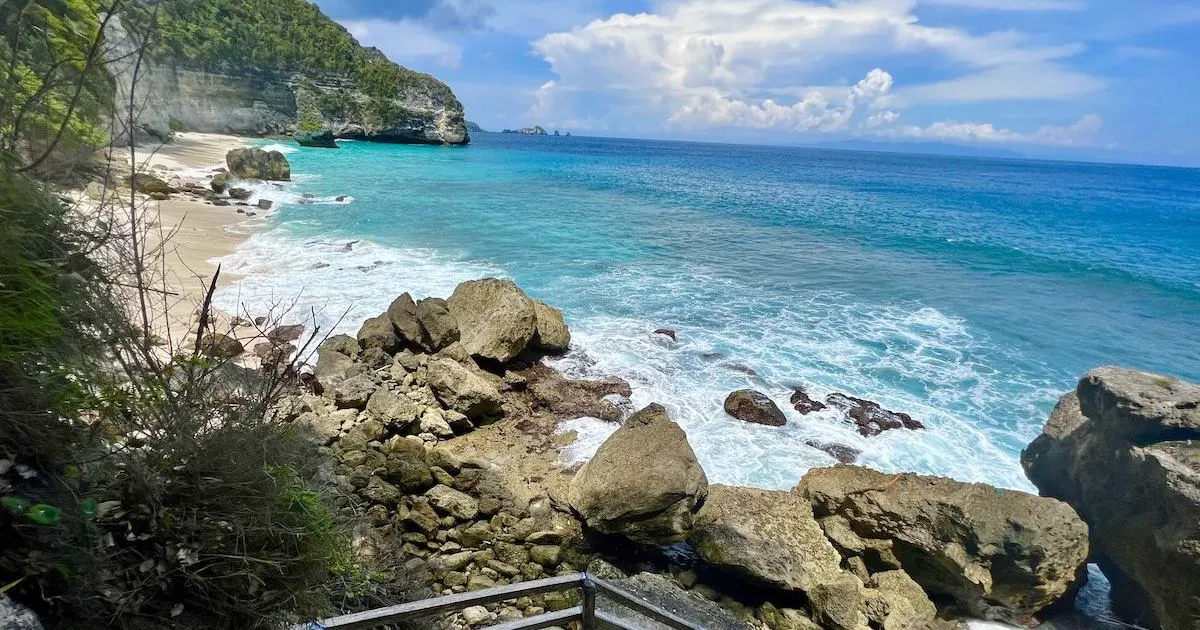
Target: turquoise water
[(967, 292)]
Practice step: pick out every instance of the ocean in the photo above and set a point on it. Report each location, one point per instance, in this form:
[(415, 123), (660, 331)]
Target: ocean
[(968, 292)]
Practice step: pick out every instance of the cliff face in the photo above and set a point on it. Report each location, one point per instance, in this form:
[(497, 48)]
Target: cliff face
[(235, 66)]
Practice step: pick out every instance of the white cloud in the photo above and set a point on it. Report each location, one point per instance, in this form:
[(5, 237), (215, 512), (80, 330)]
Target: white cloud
[(1082, 133), (699, 63), (406, 41)]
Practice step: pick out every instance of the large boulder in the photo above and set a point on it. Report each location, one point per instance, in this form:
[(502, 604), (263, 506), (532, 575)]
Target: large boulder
[(755, 407), (378, 332), (252, 163), (438, 326), (765, 537), (146, 183), (322, 139), (643, 483), (552, 332), (998, 554), (1122, 450), (496, 319), (462, 390)]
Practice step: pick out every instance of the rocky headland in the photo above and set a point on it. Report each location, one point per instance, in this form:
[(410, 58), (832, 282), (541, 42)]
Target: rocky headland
[(441, 421)]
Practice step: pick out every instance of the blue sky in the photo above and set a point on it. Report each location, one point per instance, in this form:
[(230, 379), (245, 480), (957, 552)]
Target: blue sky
[(1095, 79)]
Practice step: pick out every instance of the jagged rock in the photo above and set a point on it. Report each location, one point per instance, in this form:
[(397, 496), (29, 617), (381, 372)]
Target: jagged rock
[(432, 422), (322, 427), (354, 392), (552, 332), (870, 418), (361, 434), (241, 194), (282, 334), (14, 616), (804, 404), (748, 405), (342, 344), (764, 537), (273, 353), (569, 398), (837, 602), (219, 182), (894, 601), (1123, 450), (392, 409), (251, 163), (334, 360), (322, 139), (643, 483), (220, 346), (265, 204), (382, 492), (841, 452), (403, 314), (438, 326), (378, 332), (452, 502), (406, 465), (495, 317), (999, 554), (667, 332), (462, 390)]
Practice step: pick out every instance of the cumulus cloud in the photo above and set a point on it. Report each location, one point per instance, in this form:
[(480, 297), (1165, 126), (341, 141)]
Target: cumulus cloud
[(778, 63), (1082, 133), (1013, 5)]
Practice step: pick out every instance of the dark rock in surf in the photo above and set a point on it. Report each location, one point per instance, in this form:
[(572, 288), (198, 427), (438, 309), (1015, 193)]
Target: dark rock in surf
[(841, 452), (666, 332), (753, 406), (239, 193), (804, 404), (870, 418)]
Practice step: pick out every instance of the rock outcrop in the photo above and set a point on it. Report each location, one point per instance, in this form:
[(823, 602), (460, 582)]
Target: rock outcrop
[(1122, 450), (497, 320), (322, 139), (253, 163), (643, 483), (998, 554), (871, 418), (552, 333), (755, 407)]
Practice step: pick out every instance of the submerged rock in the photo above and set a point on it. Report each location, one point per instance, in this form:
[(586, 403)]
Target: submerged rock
[(753, 406), (841, 452), (666, 332), (870, 417), (643, 483), (1123, 450), (252, 163), (998, 554), (496, 319)]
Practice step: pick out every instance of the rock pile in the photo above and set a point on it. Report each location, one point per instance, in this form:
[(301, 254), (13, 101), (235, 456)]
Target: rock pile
[(1122, 450)]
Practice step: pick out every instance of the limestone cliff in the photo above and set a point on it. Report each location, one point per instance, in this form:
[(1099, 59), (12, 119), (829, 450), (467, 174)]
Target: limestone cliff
[(236, 66)]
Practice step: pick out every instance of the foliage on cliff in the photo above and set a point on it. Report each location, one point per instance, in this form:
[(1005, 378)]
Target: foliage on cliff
[(55, 87), (282, 35)]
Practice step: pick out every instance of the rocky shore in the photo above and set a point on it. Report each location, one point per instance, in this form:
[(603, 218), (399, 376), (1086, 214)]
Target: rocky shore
[(442, 423)]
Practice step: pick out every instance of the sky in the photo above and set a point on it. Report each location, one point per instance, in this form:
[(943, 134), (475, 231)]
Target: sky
[(1089, 79)]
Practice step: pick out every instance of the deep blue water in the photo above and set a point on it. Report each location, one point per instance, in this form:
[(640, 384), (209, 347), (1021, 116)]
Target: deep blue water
[(967, 292)]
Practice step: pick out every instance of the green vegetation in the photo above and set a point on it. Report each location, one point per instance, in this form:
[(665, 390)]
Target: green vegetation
[(290, 36), (56, 90), (141, 483)]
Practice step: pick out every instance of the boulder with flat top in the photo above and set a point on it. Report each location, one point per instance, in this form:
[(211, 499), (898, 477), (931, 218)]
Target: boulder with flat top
[(496, 320)]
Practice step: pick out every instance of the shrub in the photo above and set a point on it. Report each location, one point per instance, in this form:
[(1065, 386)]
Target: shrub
[(176, 125)]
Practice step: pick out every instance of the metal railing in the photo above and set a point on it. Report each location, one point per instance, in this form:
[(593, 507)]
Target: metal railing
[(590, 587)]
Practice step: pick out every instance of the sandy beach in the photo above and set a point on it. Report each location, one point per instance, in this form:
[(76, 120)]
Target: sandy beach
[(192, 232)]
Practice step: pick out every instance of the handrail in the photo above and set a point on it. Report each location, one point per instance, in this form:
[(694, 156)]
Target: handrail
[(589, 585)]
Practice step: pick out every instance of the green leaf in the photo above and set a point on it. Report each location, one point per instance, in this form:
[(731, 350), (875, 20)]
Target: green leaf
[(43, 514)]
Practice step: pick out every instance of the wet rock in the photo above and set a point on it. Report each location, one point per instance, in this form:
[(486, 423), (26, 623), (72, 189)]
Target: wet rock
[(252, 163), (552, 333), (643, 483), (496, 319), (802, 403), (240, 194), (666, 332), (1124, 450), (841, 452), (871, 418), (567, 398), (753, 406), (265, 204), (462, 390), (998, 554), (219, 182)]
